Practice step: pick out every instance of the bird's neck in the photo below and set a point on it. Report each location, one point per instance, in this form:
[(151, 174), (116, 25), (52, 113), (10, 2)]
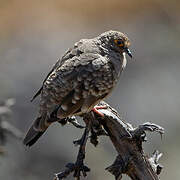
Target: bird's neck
[(118, 61), (116, 58)]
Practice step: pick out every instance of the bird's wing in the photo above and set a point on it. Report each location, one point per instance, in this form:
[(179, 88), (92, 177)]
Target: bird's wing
[(73, 85), (40, 89), (69, 54)]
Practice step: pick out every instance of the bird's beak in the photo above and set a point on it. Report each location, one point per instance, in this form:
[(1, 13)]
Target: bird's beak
[(128, 52)]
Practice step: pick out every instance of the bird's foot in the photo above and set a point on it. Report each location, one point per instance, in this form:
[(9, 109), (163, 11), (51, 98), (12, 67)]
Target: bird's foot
[(96, 108)]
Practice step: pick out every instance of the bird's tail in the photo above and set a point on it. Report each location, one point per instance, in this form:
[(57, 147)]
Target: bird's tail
[(34, 133)]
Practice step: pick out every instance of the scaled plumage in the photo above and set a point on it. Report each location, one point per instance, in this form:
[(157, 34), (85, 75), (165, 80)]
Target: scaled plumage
[(84, 76)]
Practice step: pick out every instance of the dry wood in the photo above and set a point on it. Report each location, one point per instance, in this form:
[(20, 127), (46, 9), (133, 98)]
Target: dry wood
[(131, 159)]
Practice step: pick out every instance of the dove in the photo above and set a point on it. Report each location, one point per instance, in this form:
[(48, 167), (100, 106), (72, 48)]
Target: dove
[(85, 75)]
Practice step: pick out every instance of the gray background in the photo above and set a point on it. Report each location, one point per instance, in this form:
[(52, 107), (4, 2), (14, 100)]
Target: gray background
[(34, 33)]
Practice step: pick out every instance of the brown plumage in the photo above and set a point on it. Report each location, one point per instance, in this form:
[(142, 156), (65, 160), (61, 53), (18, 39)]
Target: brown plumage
[(84, 76)]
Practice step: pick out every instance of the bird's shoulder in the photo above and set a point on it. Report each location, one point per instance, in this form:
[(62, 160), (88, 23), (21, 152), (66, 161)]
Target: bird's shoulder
[(83, 64), (84, 54)]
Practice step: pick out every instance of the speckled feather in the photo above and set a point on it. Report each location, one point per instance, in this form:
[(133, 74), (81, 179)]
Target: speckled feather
[(84, 76)]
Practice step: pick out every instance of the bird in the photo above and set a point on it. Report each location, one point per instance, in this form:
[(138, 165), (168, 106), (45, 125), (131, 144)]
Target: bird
[(79, 80)]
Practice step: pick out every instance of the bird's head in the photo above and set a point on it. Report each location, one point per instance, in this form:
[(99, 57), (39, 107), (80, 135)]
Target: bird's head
[(116, 41)]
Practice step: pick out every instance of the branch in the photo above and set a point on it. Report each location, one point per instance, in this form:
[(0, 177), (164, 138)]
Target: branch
[(127, 141), (78, 167)]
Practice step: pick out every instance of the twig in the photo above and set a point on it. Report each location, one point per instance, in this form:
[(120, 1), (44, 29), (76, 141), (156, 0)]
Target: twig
[(78, 167)]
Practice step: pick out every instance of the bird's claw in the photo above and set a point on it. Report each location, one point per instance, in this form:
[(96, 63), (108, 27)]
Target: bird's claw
[(96, 108)]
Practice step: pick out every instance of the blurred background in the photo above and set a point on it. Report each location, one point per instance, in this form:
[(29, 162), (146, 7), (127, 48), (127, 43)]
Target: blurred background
[(33, 34)]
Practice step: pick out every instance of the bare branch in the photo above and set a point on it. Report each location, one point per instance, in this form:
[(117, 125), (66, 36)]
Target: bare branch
[(127, 141)]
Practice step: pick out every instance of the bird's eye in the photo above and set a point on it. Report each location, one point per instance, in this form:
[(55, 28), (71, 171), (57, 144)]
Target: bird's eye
[(119, 42)]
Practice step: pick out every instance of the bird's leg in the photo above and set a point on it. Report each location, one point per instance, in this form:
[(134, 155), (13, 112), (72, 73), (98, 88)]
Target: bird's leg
[(96, 108)]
